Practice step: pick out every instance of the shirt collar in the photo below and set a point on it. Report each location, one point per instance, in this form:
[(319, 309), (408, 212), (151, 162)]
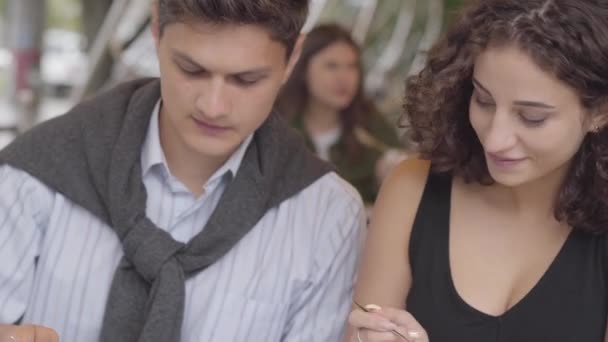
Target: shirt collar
[(152, 153)]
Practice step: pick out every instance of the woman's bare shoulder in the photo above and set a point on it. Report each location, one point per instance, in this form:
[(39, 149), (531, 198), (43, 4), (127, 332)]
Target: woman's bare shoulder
[(388, 237), (405, 184)]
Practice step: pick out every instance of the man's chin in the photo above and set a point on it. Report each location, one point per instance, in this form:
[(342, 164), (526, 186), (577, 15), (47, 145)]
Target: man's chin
[(213, 150)]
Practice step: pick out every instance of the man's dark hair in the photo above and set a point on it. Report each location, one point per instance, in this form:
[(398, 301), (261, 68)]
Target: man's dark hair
[(283, 19)]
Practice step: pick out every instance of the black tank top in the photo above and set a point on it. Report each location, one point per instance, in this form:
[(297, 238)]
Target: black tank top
[(569, 303)]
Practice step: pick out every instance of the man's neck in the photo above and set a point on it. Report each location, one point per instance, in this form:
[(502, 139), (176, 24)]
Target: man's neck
[(188, 166)]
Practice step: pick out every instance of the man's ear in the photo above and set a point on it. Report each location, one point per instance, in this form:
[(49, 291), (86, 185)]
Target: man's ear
[(294, 57), (155, 26)]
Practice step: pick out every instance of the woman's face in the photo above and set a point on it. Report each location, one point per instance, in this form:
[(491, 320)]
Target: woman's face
[(529, 123), (333, 76)]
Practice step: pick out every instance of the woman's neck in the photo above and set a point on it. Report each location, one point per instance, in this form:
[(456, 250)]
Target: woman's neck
[(533, 199), (320, 118)]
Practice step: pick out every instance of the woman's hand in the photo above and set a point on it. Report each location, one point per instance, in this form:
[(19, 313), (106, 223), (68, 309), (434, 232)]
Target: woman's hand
[(27, 333), (378, 324)]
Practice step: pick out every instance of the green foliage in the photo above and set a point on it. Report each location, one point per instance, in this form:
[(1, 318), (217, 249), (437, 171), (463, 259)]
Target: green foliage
[(451, 10), (64, 14)]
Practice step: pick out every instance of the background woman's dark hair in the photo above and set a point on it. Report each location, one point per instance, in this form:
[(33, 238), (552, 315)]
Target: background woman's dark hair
[(282, 18), (294, 95), (568, 38)]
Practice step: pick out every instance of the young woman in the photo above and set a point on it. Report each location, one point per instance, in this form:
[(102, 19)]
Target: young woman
[(498, 232), (324, 100)]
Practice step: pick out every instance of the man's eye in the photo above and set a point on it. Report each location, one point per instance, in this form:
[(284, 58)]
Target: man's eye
[(191, 70), (243, 81)]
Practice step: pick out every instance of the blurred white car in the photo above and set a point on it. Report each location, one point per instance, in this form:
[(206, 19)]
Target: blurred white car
[(6, 62), (5, 58), (8, 119), (64, 64)]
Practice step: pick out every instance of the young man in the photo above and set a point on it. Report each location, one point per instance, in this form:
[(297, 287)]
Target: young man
[(180, 209)]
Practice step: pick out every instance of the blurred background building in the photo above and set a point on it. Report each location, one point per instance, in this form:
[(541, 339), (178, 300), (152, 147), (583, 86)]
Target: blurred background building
[(55, 52)]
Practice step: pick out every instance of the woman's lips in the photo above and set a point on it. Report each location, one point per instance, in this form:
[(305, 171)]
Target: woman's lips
[(503, 161)]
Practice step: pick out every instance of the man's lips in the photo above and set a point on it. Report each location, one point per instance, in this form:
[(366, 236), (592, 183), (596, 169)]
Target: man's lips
[(207, 125)]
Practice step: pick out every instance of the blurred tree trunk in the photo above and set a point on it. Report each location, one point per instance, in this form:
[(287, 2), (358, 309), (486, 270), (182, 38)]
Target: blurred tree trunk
[(26, 21), (93, 14)]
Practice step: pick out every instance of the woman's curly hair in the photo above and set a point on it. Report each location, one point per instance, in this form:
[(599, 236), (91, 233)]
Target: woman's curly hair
[(568, 38)]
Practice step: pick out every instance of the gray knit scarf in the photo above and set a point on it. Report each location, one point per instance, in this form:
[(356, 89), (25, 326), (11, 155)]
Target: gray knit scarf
[(92, 156)]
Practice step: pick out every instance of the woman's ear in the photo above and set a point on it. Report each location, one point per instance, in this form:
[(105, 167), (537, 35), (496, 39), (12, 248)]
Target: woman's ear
[(599, 121)]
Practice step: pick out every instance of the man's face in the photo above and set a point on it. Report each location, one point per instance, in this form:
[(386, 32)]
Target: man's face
[(218, 83)]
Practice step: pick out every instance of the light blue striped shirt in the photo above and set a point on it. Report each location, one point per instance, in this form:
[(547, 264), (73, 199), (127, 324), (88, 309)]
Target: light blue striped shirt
[(289, 279)]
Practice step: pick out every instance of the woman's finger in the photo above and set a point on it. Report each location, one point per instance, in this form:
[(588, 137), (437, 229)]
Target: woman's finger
[(409, 326), (377, 336), (370, 321)]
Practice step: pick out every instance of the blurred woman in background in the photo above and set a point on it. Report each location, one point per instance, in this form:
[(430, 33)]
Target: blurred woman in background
[(324, 100)]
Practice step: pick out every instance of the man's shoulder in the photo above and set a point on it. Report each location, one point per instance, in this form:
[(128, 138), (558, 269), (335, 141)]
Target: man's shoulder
[(17, 176), (92, 112), (115, 99), (327, 217), (339, 185), (329, 192), (18, 183)]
